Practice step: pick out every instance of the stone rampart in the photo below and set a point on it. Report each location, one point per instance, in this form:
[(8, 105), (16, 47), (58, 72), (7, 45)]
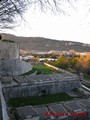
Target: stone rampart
[(25, 89), (14, 67), (3, 106)]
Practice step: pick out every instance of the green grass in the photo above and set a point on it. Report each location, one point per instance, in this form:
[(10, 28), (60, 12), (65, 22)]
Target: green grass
[(41, 69), (38, 100)]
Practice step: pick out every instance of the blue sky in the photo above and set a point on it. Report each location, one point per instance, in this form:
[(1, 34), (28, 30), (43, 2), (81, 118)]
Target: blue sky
[(74, 26)]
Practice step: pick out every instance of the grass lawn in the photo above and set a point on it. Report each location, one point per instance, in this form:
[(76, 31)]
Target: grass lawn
[(41, 69), (38, 100)]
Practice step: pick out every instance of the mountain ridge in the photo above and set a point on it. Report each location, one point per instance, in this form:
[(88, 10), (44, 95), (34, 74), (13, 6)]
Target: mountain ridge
[(46, 44)]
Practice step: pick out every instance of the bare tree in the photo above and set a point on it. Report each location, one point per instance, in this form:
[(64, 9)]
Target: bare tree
[(11, 9)]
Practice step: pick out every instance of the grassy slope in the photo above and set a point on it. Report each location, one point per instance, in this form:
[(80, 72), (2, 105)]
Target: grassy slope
[(41, 69)]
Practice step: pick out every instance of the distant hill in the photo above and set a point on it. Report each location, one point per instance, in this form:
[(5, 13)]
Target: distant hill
[(45, 44)]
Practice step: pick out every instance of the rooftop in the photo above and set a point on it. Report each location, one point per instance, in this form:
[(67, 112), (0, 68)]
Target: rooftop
[(85, 102), (35, 79), (26, 111), (57, 108), (73, 106)]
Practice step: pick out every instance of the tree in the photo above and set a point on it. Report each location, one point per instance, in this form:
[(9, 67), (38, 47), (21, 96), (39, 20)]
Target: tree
[(11, 9), (72, 62), (62, 62)]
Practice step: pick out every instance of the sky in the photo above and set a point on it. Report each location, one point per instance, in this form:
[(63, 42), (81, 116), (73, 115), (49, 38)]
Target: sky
[(74, 25)]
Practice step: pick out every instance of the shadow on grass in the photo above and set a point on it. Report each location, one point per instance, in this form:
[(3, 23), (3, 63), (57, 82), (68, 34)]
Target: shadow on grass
[(38, 100)]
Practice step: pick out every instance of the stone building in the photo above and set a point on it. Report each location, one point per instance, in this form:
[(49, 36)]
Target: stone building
[(10, 63), (67, 110), (37, 85)]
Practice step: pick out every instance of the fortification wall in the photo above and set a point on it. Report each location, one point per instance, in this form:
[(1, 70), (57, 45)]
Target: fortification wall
[(10, 63), (3, 106), (14, 67), (9, 50), (38, 89)]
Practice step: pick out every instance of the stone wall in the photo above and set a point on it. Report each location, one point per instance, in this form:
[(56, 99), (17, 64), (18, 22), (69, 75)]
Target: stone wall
[(38, 89), (3, 106), (10, 63), (14, 67), (9, 50), (87, 83)]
